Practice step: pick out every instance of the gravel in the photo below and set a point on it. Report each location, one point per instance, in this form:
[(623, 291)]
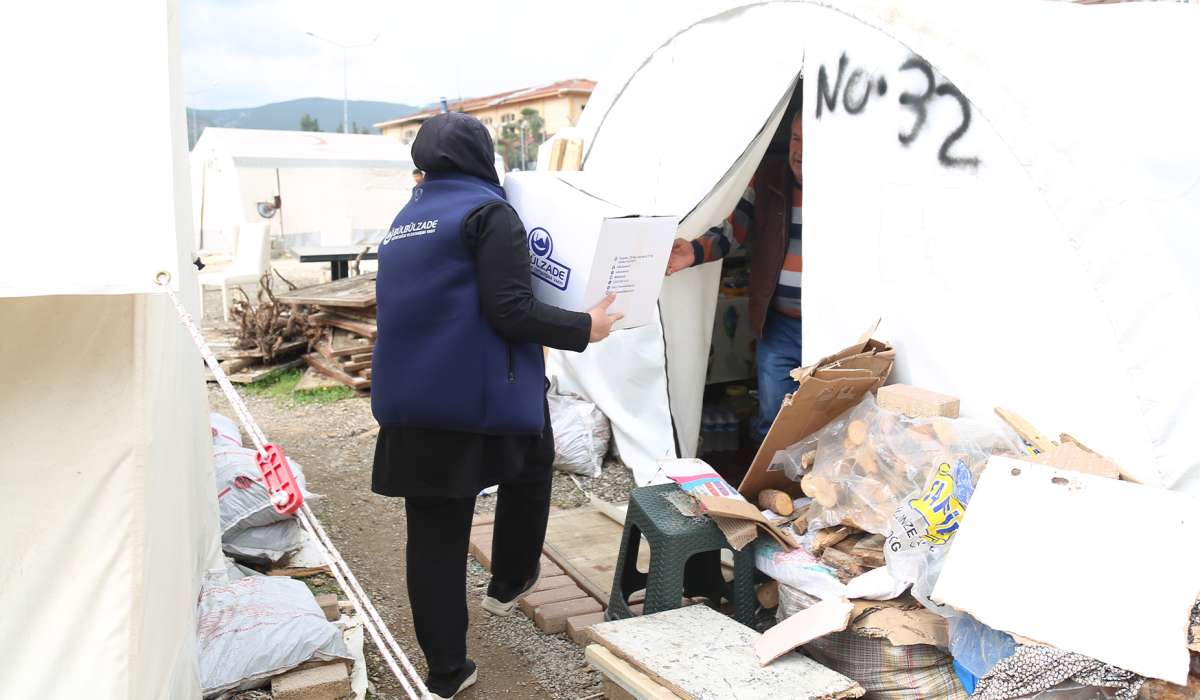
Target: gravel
[(555, 661), (613, 485)]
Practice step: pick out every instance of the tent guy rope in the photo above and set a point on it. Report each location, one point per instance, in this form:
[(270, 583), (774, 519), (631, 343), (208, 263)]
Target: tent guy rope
[(389, 649)]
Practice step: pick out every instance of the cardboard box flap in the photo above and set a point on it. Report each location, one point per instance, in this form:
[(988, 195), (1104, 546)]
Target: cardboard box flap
[(738, 509), (826, 390)]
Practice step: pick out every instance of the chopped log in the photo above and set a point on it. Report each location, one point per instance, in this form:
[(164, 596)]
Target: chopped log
[(828, 537), (768, 595), (775, 500)]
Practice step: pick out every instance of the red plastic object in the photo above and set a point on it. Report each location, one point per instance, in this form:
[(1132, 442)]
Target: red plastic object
[(277, 475)]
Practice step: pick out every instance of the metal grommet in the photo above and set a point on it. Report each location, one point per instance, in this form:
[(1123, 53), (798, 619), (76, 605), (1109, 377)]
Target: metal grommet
[(163, 278)]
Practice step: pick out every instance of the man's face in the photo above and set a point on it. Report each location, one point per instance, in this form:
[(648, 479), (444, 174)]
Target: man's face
[(796, 146), (418, 178)]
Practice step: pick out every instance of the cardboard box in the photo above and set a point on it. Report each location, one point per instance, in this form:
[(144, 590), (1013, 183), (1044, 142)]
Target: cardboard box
[(825, 390), (582, 247)]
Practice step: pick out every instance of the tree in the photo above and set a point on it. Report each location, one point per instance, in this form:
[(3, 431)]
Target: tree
[(354, 129), (510, 139), (307, 123)]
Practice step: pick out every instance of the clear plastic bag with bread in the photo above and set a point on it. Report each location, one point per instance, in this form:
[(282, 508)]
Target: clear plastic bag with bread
[(869, 461)]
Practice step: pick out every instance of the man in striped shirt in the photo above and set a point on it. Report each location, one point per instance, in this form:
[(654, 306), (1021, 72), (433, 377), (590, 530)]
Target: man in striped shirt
[(768, 215)]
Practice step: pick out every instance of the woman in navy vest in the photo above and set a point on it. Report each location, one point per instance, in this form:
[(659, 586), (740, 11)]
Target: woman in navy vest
[(458, 387)]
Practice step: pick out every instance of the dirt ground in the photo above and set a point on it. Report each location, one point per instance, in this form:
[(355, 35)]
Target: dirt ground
[(334, 443)]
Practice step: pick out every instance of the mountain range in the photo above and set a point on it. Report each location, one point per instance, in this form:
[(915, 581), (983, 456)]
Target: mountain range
[(287, 115)]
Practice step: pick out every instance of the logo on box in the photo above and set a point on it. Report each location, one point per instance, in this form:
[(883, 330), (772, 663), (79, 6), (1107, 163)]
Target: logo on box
[(544, 267)]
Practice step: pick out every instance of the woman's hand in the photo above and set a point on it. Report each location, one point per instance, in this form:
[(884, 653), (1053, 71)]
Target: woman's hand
[(602, 321), (682, 256)]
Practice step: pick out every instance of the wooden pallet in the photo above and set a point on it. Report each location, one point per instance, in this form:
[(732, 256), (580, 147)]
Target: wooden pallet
[(353, 292)]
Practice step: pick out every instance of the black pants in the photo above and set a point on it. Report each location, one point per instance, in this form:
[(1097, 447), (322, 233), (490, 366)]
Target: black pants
[(439, 530)]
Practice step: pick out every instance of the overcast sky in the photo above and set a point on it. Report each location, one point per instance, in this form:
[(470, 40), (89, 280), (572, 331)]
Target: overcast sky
[(257, 51)]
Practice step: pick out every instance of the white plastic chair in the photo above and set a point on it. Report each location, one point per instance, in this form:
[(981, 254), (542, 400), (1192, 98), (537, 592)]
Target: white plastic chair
[(251, 256)]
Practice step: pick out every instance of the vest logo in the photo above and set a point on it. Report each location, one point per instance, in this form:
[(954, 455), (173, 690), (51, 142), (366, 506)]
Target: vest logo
[(544, 267), (416, 228)]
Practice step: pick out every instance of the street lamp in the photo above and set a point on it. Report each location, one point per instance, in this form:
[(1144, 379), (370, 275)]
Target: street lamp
[(345, 74)]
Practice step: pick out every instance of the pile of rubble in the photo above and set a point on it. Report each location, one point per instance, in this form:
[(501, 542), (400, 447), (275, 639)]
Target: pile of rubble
[(915, 554)]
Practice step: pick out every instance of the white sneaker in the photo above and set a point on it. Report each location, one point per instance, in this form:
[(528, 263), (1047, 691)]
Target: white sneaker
[(501, 608), (470, 673)]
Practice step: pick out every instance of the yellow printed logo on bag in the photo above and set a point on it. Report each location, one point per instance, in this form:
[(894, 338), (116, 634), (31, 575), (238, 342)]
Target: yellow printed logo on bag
[(939, 506)]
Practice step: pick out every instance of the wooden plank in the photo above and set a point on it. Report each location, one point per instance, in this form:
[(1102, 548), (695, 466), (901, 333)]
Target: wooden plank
[(557, 149), (354, 366), (357, 291), (917, 402), (363, 314), (1026, 430), (362, 328), (326, 349), (284, 350), (313, 380), (625, 676), (697, 652), (329, 369), (573, 155), (262, 373), (236, 365)]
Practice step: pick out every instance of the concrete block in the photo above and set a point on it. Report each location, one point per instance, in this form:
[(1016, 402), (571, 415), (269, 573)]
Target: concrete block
[(481, 549), (328, 603), (546, 583), (551, 618), (530, 603), (326, 682), (549, 568), (578, 626)]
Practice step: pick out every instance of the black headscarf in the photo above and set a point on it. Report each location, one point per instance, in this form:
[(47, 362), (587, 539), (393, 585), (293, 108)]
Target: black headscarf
[(455, 142)]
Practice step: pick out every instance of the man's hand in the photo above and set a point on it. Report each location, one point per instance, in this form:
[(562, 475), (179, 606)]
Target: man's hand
[(602, 321), (682, 256)]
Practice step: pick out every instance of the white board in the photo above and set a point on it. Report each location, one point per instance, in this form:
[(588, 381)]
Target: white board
[(1096, 566)]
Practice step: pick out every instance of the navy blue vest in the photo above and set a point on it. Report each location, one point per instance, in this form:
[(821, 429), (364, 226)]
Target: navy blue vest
[(438, 363)]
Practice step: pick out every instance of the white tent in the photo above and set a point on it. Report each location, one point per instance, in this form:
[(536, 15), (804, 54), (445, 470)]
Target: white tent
[(107, 507), (1013, 187), (335, 189)]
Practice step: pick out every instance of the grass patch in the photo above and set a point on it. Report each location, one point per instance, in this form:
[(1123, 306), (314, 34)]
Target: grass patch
[(283, 388)]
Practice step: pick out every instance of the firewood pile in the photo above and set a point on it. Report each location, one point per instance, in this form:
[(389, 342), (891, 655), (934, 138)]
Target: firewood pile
[(341, 328), (267, 336)]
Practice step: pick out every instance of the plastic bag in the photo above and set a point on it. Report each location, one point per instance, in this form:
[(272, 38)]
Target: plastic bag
[(256, 627), (581, 434), (797, 569), (923, 525), (242, 498), (870, 460), (885, 671), (977, 647), (796, 460), (225, 432), (266, 544)]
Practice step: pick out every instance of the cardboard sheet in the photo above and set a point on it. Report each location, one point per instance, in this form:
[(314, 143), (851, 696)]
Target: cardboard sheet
[(826, 389), (824, 618), (1087, 564), (738, 509)]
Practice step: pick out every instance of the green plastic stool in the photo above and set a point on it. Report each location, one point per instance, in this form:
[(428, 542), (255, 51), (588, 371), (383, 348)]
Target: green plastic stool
[(685, 560)]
